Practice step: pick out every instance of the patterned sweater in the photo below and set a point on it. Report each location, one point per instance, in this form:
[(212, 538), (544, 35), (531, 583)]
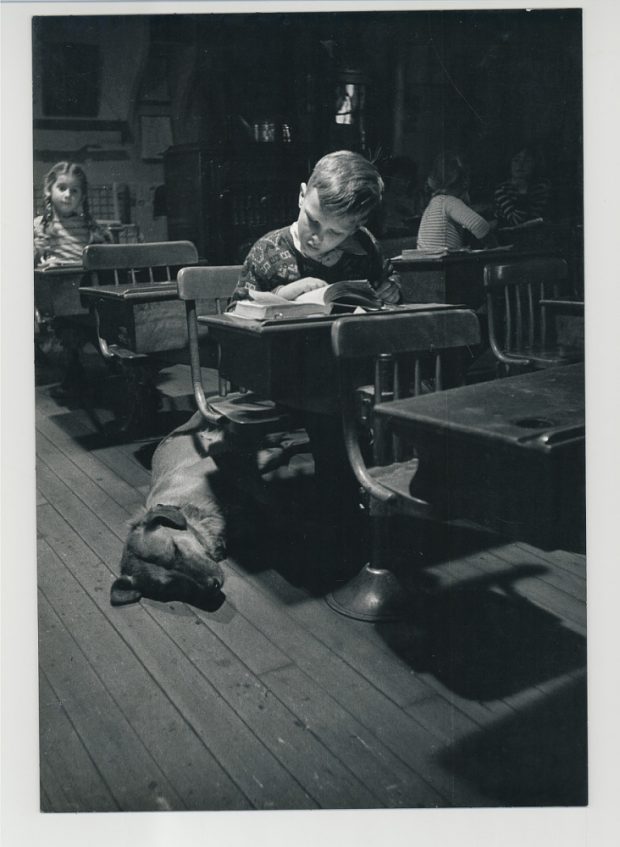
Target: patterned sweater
[(274, 261)]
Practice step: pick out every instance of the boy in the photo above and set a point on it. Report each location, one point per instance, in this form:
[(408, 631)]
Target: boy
[(328, 241)]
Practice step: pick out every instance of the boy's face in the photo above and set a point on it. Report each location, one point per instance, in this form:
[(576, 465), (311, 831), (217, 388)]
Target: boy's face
[(66, 195), (320, 232)]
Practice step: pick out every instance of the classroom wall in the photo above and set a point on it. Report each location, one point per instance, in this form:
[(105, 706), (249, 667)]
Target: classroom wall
[(470, 79), (107, 155)]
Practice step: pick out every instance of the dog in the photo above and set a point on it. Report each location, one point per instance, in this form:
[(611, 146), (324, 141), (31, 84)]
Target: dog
[(200, 489)]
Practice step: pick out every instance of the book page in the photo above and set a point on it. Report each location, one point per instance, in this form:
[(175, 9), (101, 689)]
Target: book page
[(317, 295), (337, 290), (267, 297)]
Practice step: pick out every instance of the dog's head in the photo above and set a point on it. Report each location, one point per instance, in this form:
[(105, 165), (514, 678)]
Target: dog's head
[(166, 557)]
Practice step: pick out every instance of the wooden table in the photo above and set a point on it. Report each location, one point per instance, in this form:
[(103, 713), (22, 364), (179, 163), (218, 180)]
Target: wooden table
[(142, 318), (291, 363), (507, 454), (455, 277), (287, 361)]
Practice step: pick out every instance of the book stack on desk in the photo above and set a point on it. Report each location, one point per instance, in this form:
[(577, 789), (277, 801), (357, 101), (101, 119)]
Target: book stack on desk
[(346, 296), (257, 310)]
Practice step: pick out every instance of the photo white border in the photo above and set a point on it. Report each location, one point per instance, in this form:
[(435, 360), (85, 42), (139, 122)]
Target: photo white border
[(22, 823)]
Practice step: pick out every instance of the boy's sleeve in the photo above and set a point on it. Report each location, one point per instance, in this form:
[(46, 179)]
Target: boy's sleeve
[(249, 278), (268, 265), (389, 286), (384, 278)]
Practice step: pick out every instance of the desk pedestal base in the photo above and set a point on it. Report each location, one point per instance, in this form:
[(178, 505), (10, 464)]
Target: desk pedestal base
[(374, 594)]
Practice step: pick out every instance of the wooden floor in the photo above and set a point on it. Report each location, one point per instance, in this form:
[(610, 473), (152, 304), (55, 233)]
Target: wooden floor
[(274, 701)]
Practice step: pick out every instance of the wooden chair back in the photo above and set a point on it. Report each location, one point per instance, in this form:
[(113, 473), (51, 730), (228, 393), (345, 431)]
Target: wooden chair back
[(398, 343), (209, 286), (523, 299), (212, 283), (407, 349), (131, 264)]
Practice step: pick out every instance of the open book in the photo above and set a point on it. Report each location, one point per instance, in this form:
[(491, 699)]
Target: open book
[(347, 293), (344, 296)]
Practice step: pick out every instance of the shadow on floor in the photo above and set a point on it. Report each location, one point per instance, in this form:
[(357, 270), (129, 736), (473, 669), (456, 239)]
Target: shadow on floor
[(536, 757), (482, 639)]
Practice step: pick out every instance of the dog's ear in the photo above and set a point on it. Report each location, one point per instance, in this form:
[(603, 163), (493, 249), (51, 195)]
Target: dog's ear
[(165, 516), (124, 591)]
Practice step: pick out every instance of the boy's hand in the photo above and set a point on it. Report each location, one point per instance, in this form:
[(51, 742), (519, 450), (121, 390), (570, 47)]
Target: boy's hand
[(293, 289), (388, 292)]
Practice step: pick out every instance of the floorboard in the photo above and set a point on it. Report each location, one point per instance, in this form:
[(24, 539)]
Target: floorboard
[(273, 701)]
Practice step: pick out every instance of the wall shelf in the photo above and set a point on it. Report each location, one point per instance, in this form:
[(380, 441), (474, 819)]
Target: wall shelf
[(86, 125)]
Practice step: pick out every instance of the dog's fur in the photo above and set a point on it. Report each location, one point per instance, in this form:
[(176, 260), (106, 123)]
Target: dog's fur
[(175, 547)]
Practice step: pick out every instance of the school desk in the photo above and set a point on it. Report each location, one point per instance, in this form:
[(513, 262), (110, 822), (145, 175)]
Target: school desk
[(454, 277), (287, 361), (507, 454)]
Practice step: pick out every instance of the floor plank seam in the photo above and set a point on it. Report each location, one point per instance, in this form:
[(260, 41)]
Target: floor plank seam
[(135, 734), (79, 737), (157, 623)]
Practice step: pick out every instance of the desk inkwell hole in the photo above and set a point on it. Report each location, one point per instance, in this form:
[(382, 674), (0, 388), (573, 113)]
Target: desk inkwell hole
[(534, 423)]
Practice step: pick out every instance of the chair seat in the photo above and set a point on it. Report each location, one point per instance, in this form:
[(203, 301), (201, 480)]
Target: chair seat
[(549, 356), (245, 410), (398, 478)]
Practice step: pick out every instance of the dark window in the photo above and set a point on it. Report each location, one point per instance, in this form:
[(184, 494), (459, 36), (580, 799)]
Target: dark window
[(71, 80)]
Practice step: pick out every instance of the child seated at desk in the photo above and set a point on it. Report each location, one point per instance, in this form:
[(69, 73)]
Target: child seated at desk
[(66, 226), (525, 195), (448, 219), (60, 235), (328, 242)]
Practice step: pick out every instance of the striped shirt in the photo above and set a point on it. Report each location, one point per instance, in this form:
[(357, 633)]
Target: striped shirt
[(444, 222), (64, 240), (513, 207)]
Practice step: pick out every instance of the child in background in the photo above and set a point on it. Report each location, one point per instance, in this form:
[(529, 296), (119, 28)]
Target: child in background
[(525, 196), (447, 219), (328, 242), (60, 235), (66, 226)]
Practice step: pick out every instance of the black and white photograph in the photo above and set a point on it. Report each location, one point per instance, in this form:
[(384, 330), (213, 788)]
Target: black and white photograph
[(308, 289)]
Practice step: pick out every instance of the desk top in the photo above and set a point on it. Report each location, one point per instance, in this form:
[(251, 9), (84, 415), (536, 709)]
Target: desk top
[(59, 270), (506, 253), (140, 292), (236, 324), (538, 410)]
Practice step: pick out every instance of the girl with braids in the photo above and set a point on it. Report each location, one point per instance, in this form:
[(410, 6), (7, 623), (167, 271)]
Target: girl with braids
[(66, 226)]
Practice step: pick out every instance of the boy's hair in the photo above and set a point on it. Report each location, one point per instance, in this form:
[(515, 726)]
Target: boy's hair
[(449, 174), (65, 169), (347, 185)]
